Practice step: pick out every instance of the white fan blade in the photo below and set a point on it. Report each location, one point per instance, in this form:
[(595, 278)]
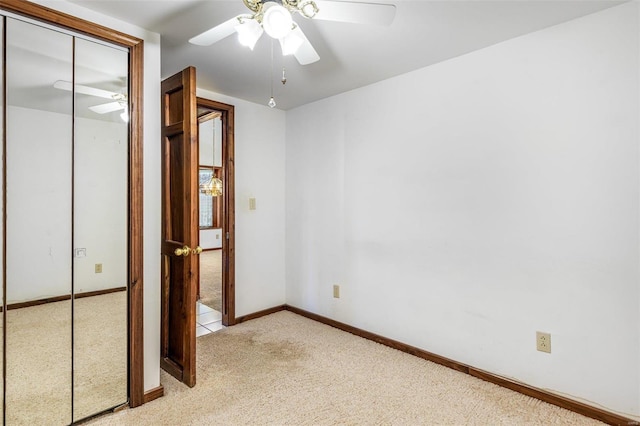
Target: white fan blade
[(85, 90), (216, 33), (305, 54), (105, 108), (357, 13)]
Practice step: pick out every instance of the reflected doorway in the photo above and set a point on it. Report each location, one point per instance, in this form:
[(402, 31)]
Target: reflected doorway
[(215, 288), (211, 201)]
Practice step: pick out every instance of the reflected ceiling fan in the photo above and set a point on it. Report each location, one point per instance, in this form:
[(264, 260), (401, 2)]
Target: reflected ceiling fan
[(119, 100), (275, 17)]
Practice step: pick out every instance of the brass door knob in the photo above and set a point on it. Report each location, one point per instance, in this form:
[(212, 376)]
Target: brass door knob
[(197, 250), (184, 251)]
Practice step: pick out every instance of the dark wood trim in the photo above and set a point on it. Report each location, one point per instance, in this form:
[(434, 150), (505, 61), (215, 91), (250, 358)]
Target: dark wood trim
[(262, 313), (154, 393), (61, 19), (212, 249), (543, 395), (98, 292), (551, 398), (136, 241), (383, 340), (62, 298), (228, 208), (136, 78), (208, 116)]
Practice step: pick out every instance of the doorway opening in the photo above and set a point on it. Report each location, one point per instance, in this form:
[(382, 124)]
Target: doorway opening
[(216, 287), (211, 187), (180, 216)]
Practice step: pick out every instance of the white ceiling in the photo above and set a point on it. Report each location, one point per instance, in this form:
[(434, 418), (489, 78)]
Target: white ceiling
[(351, 55)]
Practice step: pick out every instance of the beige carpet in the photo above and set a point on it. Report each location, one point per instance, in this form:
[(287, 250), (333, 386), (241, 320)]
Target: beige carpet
[(39, 360), (284, 369), (211, 279)]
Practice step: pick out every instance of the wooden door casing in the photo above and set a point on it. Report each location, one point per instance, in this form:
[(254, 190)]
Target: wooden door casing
[(180, 273), (227, 113)]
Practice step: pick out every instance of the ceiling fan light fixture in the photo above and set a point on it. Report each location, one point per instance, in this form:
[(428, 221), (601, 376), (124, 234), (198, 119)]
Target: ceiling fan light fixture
[(290, 43), (277, 21), (212, 188), (308, 9), (249, 32)]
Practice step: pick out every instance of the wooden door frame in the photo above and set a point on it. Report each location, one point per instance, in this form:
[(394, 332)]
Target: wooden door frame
[(135, 196), (228, 208)]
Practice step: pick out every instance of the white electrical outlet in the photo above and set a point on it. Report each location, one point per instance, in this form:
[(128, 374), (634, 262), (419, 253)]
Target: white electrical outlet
[(543, 342)]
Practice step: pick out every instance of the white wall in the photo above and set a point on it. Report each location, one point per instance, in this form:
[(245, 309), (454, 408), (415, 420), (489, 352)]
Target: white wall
[(210, 142), (463, 206), (211, 238), (39, 181), (39, 204), (151, 134), (260, 172), (101, 160)]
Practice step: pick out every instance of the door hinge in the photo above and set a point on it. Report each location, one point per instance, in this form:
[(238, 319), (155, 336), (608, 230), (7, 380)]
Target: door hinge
[(228, 235)]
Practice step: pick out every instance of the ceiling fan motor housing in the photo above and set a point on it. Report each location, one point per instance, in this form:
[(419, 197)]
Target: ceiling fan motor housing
[(306, 8)]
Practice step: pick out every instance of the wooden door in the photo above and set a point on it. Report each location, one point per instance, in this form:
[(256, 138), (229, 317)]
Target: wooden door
[(180, 268)]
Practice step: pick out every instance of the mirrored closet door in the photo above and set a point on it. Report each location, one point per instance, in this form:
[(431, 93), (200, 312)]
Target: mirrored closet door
[(65, 266)]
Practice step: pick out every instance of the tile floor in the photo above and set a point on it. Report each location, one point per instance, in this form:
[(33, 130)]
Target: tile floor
[(207, 320)]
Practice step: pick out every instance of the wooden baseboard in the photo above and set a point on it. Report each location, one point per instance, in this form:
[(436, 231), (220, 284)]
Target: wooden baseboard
[(152, 394), (31, 303), (259, 314), (543, 395)]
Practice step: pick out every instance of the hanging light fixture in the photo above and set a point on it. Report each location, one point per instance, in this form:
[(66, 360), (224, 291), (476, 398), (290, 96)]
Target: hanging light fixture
[(249, 31), (275, 17), (290, 43), (276, 21), (213, 187)]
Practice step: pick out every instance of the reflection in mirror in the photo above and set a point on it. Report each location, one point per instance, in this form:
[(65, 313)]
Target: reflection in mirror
[(100, 229), (38, 232), (210, 288)]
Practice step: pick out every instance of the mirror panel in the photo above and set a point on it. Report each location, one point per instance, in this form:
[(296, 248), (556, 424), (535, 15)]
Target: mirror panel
[(39, 227), (100, 228)]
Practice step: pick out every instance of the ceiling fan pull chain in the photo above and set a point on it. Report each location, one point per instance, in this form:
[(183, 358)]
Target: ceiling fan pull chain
[(284, 77), (272, 102)]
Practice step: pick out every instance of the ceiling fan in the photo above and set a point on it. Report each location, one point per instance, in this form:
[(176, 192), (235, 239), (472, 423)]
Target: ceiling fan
[(119, 100), (275, 18)]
